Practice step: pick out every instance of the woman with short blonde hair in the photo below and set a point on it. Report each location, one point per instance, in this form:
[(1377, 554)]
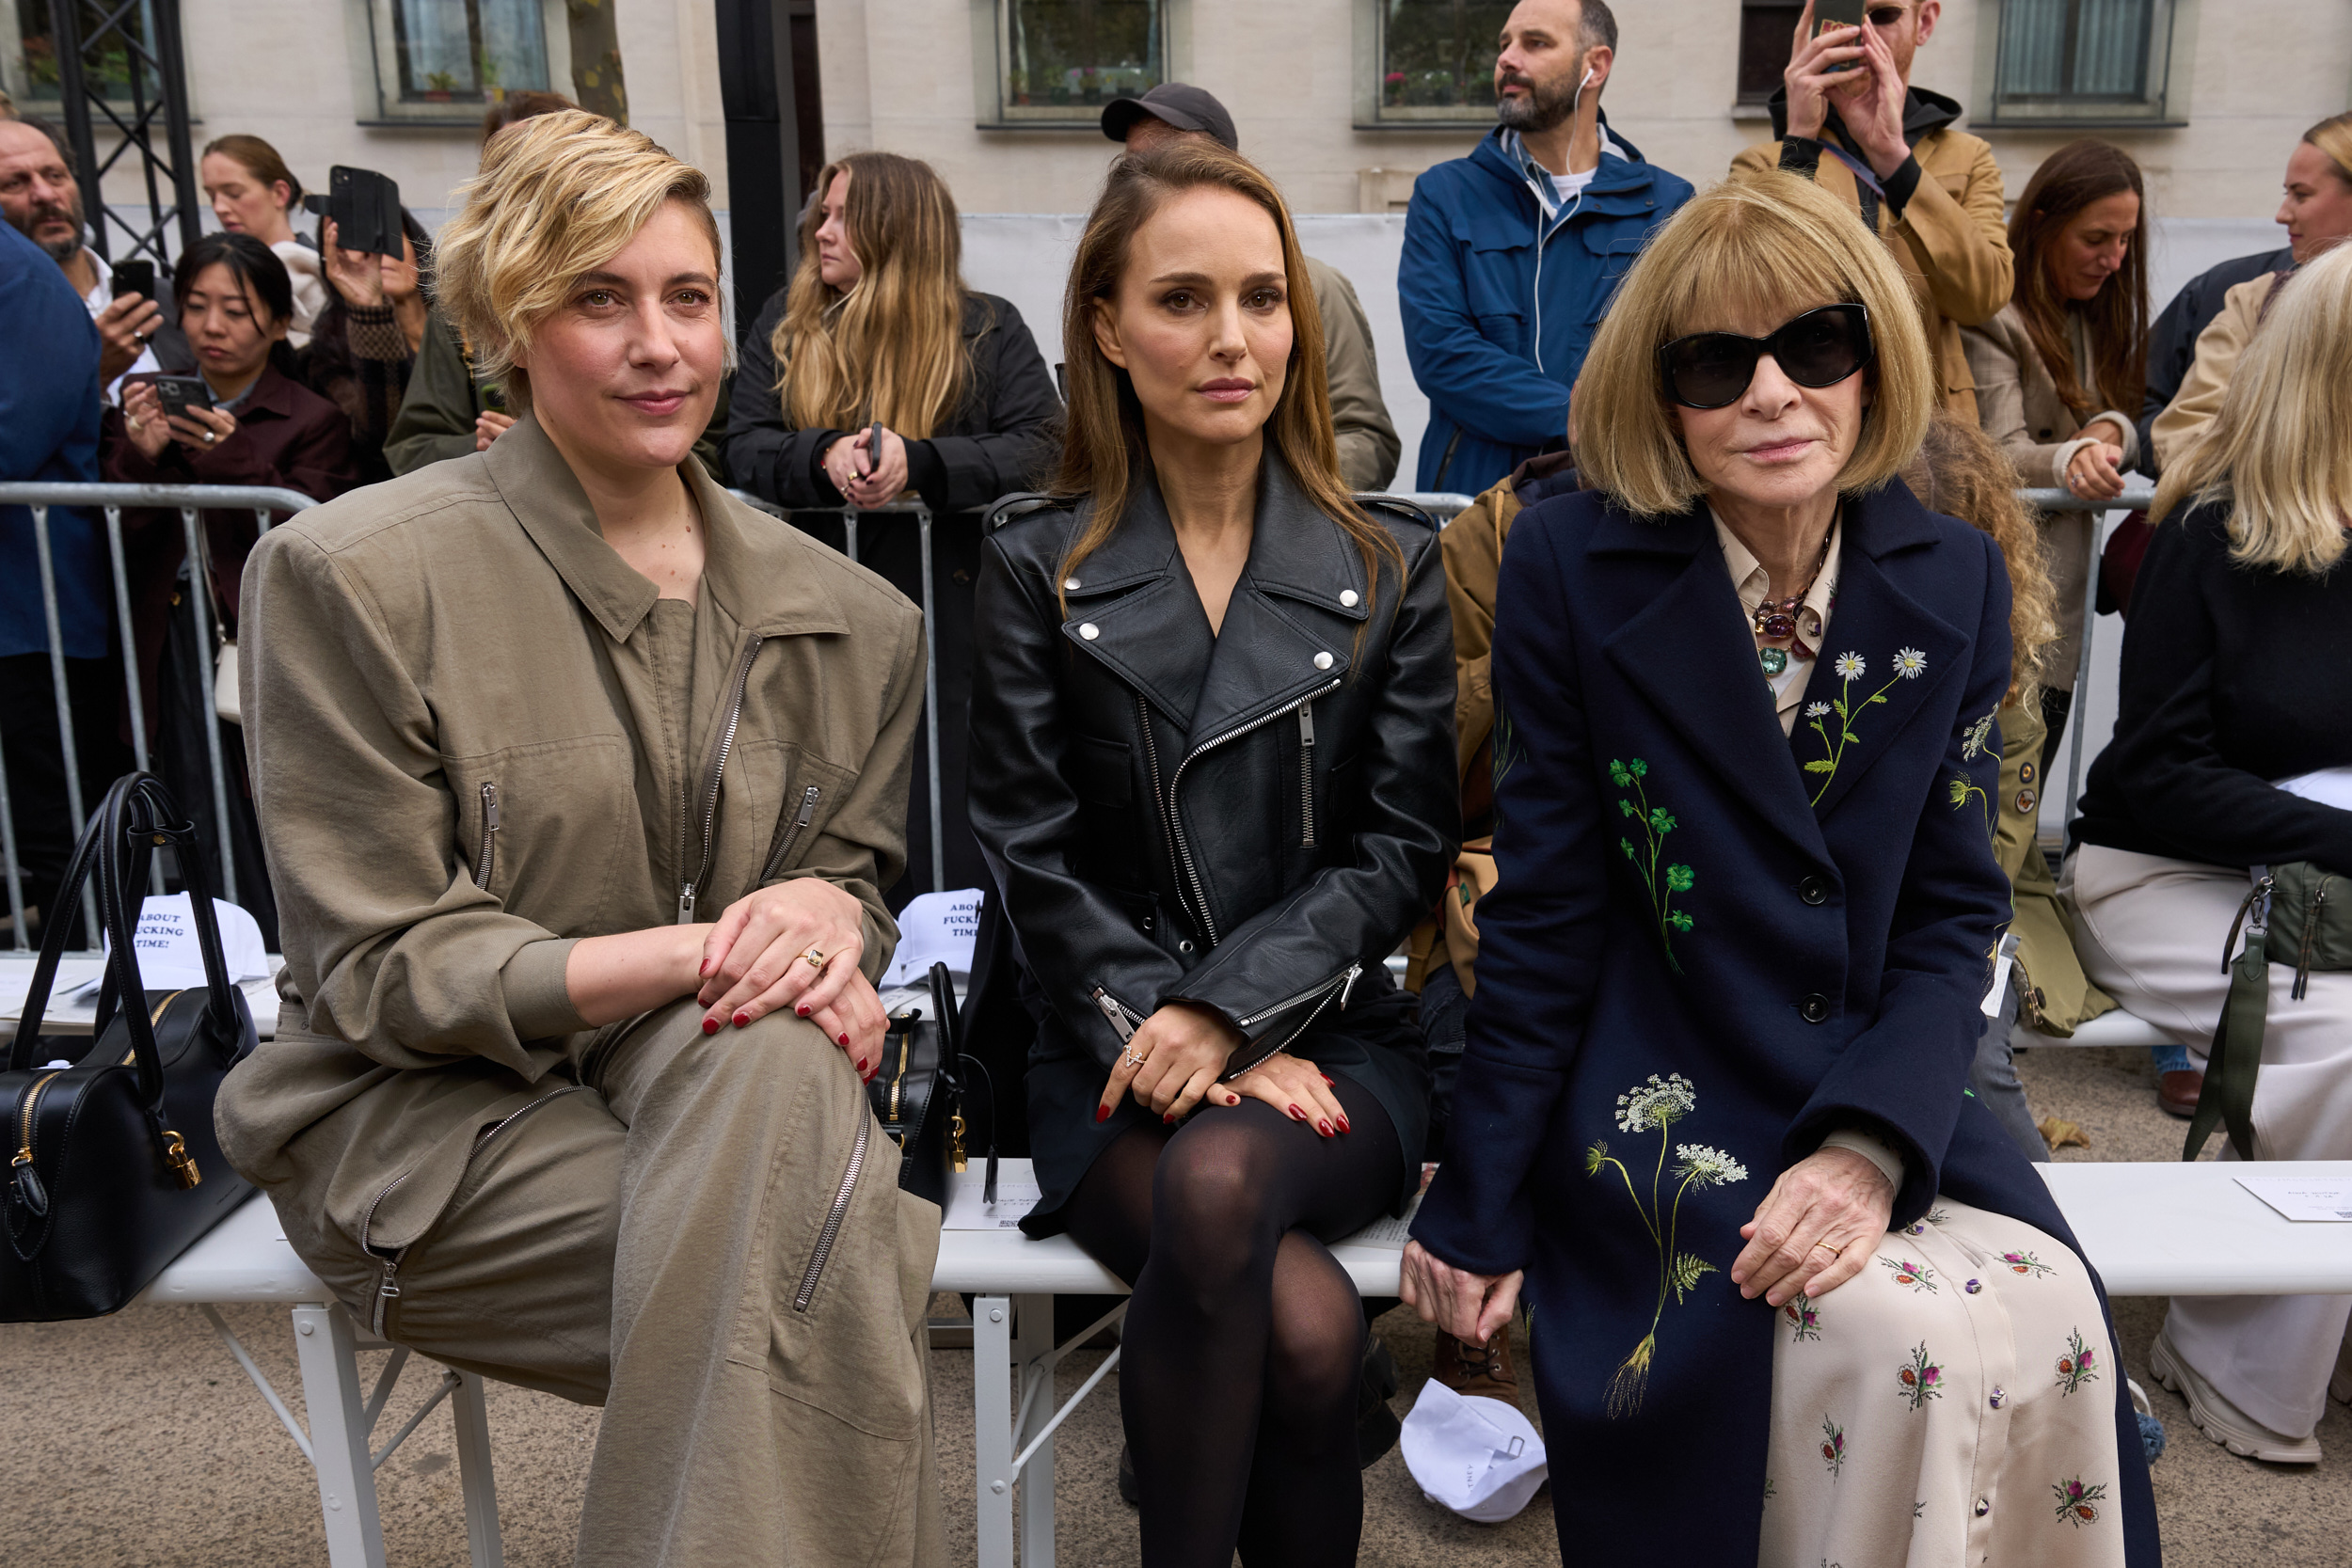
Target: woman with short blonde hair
[(2233, 751), (1806, 1297), (579, 781)]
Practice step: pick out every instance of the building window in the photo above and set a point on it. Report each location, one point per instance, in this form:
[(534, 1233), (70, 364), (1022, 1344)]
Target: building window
[(440, 61), (1060, 61), (1432, 62), (1767, 28), (28, 59), (2083, 62)]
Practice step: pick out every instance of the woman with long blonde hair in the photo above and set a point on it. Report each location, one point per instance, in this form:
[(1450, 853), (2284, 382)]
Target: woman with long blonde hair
[(2232, 750), (1213, 771), (876, 377)]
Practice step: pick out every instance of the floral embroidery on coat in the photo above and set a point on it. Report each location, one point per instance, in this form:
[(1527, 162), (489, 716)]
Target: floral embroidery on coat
[(1918, 1276), (1910, 664), (2027, 1263), (1973, 737), (1663, 882), (1922, 1379), (1832, 1447), (1962, 791), (1805, 1318), (2074, 1501), (1655, 1106), (2075, 1368)]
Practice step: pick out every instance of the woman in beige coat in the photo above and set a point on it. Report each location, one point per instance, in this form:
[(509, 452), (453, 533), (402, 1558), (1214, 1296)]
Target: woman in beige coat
[(577, 782), (2067, 354)]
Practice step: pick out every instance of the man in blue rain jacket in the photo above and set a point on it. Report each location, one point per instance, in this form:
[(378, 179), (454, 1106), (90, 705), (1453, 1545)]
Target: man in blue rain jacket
[(1512, 253)]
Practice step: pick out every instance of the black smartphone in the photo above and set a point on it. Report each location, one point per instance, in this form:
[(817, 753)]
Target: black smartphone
[(180, 393), (873, 449), (364, 207), (1838, 13), (134, 277)]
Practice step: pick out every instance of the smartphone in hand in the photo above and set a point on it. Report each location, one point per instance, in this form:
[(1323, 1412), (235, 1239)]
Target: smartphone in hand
[(1839, 13), (872, 459), (180, 393), (134, 277)]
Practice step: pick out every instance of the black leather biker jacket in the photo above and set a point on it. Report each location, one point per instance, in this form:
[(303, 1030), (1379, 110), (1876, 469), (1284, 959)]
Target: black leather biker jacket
[(1245, 820)]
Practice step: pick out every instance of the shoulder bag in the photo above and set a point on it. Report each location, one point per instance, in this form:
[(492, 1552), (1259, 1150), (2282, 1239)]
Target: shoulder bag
[(115, 1169), (2300, 915), (919, 1095)]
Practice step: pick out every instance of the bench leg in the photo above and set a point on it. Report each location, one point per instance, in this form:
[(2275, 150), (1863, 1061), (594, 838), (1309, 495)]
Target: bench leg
[(339, 1437), (473, 1472), (991, 1427), (1033, 1345)]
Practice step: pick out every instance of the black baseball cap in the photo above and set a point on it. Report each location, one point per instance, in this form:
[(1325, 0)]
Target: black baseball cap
[(1181, 105)]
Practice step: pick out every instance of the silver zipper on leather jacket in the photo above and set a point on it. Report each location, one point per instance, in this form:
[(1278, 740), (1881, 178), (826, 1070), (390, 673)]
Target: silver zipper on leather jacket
[(825, 1237), (387, 1284), (722, 743), (1307, 770), (792, 834), (1124, 1020), (488, 856), (1343, 983), (1175, 819)]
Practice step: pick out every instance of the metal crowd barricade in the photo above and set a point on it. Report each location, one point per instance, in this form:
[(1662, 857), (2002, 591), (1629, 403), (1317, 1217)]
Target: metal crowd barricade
[(2136, 497), (188, 500)]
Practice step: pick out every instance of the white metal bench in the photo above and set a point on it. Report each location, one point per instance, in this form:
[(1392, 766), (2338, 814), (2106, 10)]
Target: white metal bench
[(2153, 1230), (2114, 1028)]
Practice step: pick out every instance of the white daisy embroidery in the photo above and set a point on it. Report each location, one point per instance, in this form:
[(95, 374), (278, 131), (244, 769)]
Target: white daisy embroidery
[(1910, 663), (1817, 711), (1849, 667)]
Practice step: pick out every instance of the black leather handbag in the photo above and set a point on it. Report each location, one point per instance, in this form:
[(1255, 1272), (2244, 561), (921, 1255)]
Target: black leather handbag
[(919, 1095), (116, 1168)]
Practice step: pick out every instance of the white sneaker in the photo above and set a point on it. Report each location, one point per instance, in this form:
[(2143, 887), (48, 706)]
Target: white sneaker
[(2220, 1420)]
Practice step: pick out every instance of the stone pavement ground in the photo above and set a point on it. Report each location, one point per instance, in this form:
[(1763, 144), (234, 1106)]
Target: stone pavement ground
[(136, 1440)]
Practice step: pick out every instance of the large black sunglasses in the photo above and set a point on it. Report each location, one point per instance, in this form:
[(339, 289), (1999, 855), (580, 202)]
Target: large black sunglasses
[(1820, 348)]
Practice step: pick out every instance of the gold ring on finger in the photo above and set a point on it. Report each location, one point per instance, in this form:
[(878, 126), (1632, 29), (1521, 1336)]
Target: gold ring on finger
[(813, 958), (1834, 1252)]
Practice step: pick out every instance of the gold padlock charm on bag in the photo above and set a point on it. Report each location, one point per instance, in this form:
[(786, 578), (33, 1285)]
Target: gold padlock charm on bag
[(180, 1161)]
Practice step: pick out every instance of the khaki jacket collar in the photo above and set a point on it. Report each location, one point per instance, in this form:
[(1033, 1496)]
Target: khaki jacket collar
[(539, 488)]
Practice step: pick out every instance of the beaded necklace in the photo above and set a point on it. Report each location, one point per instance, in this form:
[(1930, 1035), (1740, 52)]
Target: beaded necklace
[(1776, 619)]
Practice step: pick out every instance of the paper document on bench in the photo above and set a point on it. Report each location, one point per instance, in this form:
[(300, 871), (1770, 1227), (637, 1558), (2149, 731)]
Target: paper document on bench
[(1388, 1231), (1016, 1194), (2300, 1198)]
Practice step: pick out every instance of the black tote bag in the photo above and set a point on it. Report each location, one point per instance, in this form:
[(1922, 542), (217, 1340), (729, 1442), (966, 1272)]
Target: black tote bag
[(115, 1167)]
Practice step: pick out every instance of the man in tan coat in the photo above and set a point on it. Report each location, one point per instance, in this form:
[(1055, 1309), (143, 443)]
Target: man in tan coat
[(1848, 118)]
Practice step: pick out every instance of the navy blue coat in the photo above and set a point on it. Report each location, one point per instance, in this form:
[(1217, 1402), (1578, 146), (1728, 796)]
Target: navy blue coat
[(1800, 928), (1500, 300)]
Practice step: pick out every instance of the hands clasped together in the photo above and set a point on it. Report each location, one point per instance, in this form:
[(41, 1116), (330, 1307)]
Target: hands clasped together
[(1816, 1229), (1172, 1064), (795, 945)]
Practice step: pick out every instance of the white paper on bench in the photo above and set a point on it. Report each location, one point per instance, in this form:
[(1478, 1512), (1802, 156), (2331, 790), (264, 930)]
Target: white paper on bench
[(1016, 1194), (2324, 1202)]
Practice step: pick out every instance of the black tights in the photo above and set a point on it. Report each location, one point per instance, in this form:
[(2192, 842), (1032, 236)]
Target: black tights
[(1245, 1338)]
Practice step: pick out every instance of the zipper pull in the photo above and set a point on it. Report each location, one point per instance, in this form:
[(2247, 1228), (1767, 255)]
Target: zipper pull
[(387, 1292), (1116, 1014), (29, 1191), (686, 904), (1307, 724), (490, 806), (808, 806), (1353, 971)]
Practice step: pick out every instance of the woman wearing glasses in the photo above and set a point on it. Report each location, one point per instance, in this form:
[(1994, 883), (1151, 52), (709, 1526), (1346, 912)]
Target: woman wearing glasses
[(1799, 1291)]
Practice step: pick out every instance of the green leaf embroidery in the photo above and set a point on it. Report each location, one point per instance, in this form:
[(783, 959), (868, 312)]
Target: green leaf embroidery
[(1680, 877), (1687, 1271), (1663, 882), (1849, 667)]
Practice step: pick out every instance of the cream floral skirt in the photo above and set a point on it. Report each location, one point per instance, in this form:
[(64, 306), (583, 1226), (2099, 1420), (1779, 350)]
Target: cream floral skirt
[(1954, 1404)]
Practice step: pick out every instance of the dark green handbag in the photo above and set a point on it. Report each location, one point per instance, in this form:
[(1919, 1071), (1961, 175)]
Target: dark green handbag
[(2297, 914)]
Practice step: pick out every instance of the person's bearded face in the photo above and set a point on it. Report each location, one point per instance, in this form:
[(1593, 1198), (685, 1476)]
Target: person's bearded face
[(56, 226), (1544, 103)]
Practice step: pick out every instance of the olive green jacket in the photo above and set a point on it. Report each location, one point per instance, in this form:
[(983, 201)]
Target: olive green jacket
[(474, 737), (1369, 447), (438, 412)]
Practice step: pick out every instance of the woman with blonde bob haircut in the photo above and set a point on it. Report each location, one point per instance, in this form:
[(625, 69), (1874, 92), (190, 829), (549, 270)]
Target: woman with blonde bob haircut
[(1805, 1296), (1213, 771), (578, 782), (2233, 751), (876, 377)]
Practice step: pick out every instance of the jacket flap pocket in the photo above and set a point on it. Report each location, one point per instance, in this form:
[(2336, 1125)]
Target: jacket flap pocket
[(1102, 771)]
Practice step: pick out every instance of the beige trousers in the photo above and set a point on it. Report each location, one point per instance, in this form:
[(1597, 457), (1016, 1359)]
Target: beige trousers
[(654, 1240), (2151, 932), (1952, 1404)]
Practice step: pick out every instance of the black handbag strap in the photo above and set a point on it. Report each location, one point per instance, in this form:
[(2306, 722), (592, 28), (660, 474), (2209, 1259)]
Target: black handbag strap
[(136, 816), (2234, 1064)]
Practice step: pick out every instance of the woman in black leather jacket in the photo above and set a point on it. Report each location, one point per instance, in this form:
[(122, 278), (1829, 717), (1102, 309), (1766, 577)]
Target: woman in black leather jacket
[(1212, 772)]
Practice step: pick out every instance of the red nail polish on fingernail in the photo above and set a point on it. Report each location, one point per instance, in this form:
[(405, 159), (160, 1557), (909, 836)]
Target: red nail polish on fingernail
[(1324, 1128), (710, 1026), (704, 969), (843, 1040), (1329, 1079), (861, 1064), (1344, 1124), (1169, 1119), (803, 1012), (1297, 1115), (1101, 1114), (742, 1019)]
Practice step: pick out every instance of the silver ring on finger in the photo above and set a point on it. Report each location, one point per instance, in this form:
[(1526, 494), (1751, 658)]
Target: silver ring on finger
[(209, 437), (1131, 1058)]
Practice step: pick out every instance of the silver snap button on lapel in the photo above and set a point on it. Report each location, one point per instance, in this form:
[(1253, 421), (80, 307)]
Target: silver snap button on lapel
[(1323, 661), (1070, 585), (1348, 597), (1090, 632)]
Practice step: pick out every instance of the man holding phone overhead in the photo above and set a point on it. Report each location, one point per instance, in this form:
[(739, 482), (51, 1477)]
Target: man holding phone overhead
[(1847, 118)]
